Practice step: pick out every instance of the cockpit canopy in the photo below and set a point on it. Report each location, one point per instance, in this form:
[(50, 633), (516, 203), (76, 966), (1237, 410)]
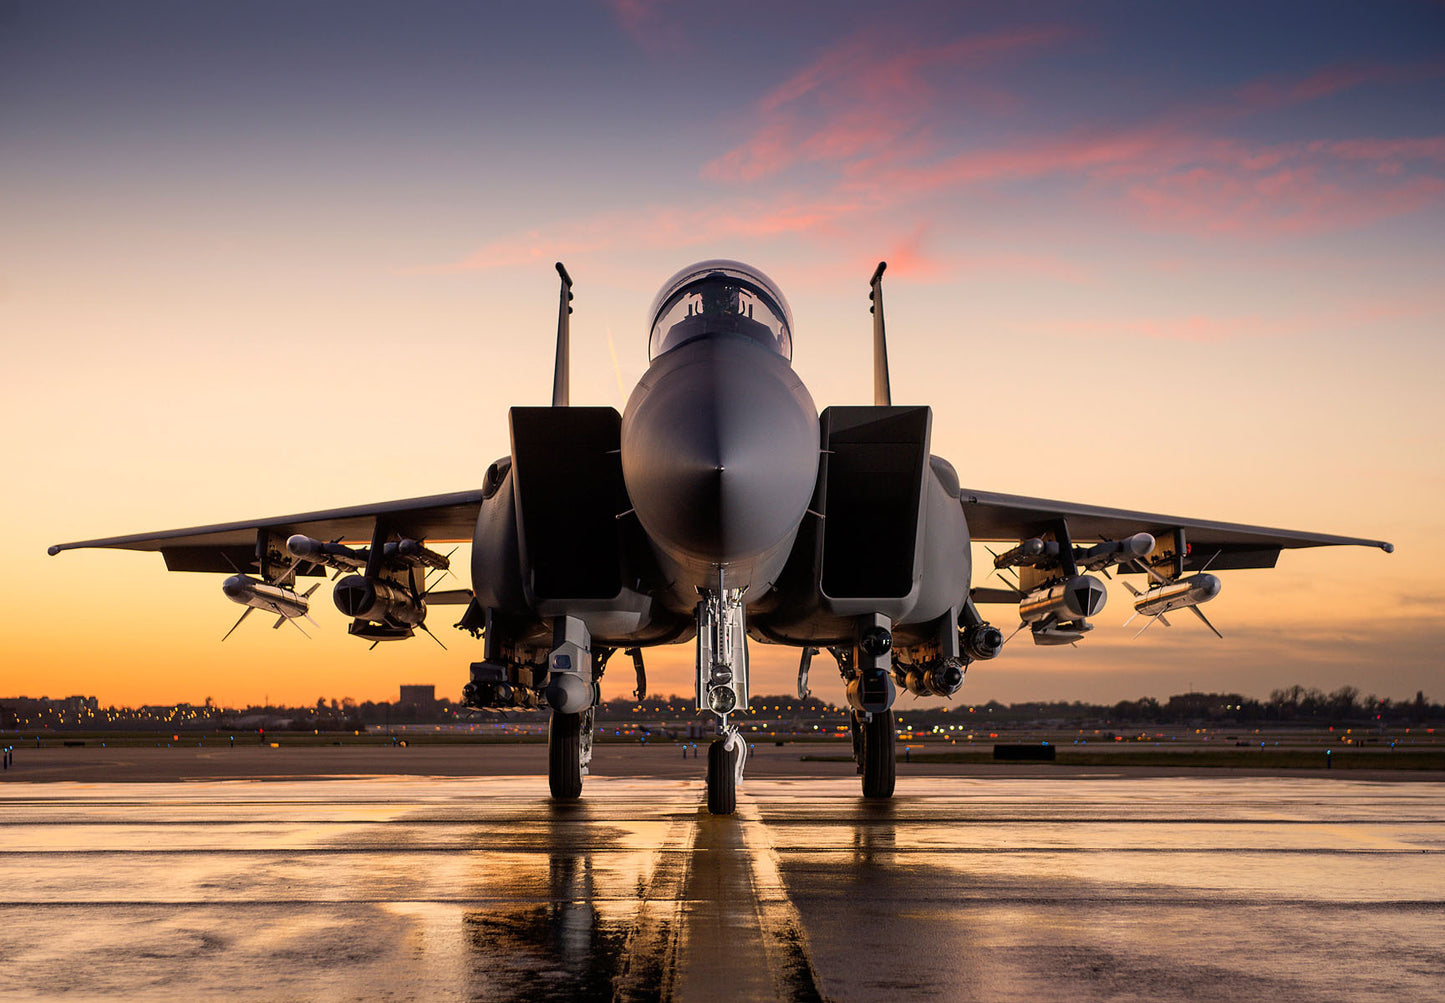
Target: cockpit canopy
[(720, 297)]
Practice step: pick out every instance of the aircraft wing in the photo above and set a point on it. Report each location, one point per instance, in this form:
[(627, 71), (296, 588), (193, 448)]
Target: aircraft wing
[(227, 547), (1224, 545)]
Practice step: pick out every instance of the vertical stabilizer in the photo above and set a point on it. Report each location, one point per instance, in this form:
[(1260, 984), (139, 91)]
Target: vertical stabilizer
[(882, 393), (560, 391)]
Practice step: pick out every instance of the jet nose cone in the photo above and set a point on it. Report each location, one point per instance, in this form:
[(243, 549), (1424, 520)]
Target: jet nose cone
[(720, 453)]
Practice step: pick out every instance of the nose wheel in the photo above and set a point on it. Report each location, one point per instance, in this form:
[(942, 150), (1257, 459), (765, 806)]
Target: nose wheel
[(725, 758), (873, 748)]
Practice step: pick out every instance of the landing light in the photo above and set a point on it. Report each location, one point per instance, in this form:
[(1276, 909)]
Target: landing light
[(722, 699)]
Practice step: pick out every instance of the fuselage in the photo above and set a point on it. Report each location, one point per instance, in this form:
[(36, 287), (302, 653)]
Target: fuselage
[(725, 470), (720, 459)]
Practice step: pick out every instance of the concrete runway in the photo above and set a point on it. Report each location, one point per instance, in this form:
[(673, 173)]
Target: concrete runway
[(990, 887)]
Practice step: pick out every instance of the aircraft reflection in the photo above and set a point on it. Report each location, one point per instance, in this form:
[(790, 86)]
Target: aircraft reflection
[(568, 942), (875, 834)]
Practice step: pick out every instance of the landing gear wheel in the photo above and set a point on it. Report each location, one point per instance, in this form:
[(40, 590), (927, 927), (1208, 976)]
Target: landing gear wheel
[(564, 755), (880, 769), (722, 792), (855, 732)]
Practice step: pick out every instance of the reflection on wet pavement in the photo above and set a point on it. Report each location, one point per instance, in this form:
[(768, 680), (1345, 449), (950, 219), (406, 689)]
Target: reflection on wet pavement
[(959, 888)]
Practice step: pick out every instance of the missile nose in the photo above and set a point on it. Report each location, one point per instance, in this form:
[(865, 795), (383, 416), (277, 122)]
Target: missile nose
[(236, 586), (1139, 544), (301, 545), (1208, 586)]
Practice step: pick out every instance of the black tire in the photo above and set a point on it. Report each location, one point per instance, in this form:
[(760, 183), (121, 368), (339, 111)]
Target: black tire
[(722, 792), (564, 755), (880, 768), (855, 732)]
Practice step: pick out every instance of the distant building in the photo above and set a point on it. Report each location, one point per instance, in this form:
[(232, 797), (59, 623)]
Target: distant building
[(418, 696)]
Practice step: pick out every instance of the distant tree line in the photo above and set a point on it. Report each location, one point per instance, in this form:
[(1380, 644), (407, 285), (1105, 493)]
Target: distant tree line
[(1345, 705), (1293, 704)]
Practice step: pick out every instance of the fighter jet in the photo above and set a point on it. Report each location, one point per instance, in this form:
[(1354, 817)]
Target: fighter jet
[(722, 508)]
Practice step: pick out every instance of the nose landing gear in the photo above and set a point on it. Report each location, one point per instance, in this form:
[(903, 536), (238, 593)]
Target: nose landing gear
[(722, 688), (725, 760)]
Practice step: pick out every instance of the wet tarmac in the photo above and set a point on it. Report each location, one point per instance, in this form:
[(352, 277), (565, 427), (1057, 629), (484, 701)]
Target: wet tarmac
[(961, 888)]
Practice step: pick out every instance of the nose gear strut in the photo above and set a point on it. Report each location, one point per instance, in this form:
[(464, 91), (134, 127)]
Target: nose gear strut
[(722, 688)]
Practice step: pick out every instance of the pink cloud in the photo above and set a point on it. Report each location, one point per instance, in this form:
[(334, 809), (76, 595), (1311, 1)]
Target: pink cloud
[(647, 24), (1275, 92), (859, 100), (867, 121), (906, 257), (666, 227), (1203, 328), (1198, 328), (863, 117)]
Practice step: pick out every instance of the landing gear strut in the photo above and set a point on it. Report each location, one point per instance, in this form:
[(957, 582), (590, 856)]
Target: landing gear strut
[(722, 688), (873, 742)]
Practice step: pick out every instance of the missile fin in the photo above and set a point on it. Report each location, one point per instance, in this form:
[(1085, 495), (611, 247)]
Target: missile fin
[(279, 621), (1148, 622), (429, 634), (1200, 613), (1160, 618), (238, 622)]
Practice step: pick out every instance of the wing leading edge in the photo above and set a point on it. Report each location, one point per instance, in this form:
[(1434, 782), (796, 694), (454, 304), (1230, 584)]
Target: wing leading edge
[(448, 518), (1001, 517)]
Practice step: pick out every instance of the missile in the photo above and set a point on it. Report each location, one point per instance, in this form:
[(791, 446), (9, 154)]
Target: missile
[(333, 555), (1075, 598), (253, 593), (1027, 552), (413, 552), (276, 599), (1049, 633), (1112, 552), (1185, 593)]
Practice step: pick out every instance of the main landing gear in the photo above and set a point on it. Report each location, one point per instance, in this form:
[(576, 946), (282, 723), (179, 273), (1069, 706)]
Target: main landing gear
[(569, 751), (873, 750), (866, 670)]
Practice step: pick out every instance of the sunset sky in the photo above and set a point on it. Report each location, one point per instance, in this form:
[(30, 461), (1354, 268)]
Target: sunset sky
[(268, 257)]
